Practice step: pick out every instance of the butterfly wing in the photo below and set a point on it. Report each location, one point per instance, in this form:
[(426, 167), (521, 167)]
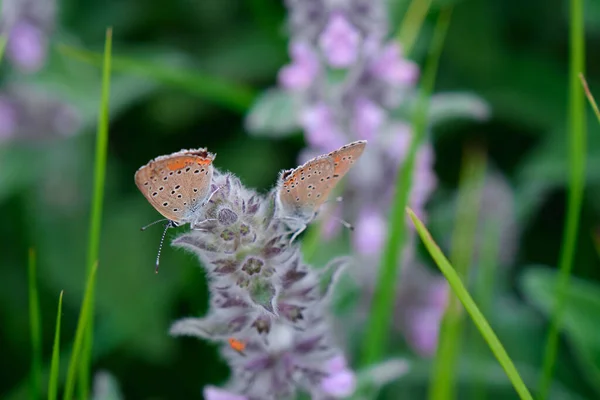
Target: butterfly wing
[(301, 191), (176, 185), (344, 157)]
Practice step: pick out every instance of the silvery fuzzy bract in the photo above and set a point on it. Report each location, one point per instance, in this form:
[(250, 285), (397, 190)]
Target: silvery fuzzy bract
[(268, 307)]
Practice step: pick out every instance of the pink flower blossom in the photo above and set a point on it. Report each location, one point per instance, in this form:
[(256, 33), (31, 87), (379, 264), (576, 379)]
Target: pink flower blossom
[(340, 41), (370, 231), (392, 68), (302, 71), (368, 118), (26, 46)]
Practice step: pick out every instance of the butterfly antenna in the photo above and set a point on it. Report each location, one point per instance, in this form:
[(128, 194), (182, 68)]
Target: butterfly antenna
[(162, 239), (346, 224), (338, 199), (143, 228)]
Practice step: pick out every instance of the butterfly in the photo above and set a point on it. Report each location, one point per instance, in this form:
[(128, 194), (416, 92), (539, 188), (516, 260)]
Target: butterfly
[(177, 185), (300, 192)]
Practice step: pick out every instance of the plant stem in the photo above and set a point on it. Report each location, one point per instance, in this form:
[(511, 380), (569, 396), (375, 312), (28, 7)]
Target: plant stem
[(577, 158)]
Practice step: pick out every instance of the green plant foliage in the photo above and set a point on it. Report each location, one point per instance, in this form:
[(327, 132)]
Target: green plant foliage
[(195, 74)]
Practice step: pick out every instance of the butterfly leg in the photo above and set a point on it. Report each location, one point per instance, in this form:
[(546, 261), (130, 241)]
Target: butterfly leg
[(211, 195), (196, 225), (298, 232)]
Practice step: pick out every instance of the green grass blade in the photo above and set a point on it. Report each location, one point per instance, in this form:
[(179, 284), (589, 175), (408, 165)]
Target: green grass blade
[(84, 316), (577, 154), (484, 288), (463, 241), (412, 23), (96, 215), (376, 336), (55, 363), (589, 95), (35, 327), (233, 96), (463, 295)]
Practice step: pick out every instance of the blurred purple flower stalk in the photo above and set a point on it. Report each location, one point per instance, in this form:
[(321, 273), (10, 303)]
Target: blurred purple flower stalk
[(25, 112), (268, 308), (351, 83), (29, 114), (27, 24)]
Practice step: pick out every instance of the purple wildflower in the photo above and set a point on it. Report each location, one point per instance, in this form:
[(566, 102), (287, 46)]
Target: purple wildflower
[(340, 41), (27, 24), (421, 305), (376, 80), (391, 67), (331, 224), (26, 46), (264, 297), (8, 119), (214, 393), (303, 70), (368, 118), (320, 127), (397, 142), (370, 232), (341, 381), (27, 114)]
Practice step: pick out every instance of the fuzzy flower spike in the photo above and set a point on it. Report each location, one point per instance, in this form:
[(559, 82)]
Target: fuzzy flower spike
[(268, 308)]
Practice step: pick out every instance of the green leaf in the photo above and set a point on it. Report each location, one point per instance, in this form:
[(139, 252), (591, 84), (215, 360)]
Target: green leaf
[(274, 114), (55, 362), (231, 95), (106, 387), (581, 311), (490, 373), (382, 374), (450, 106)]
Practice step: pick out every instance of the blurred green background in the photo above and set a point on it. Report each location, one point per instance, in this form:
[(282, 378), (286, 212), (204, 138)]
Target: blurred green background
[(512, 54)]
